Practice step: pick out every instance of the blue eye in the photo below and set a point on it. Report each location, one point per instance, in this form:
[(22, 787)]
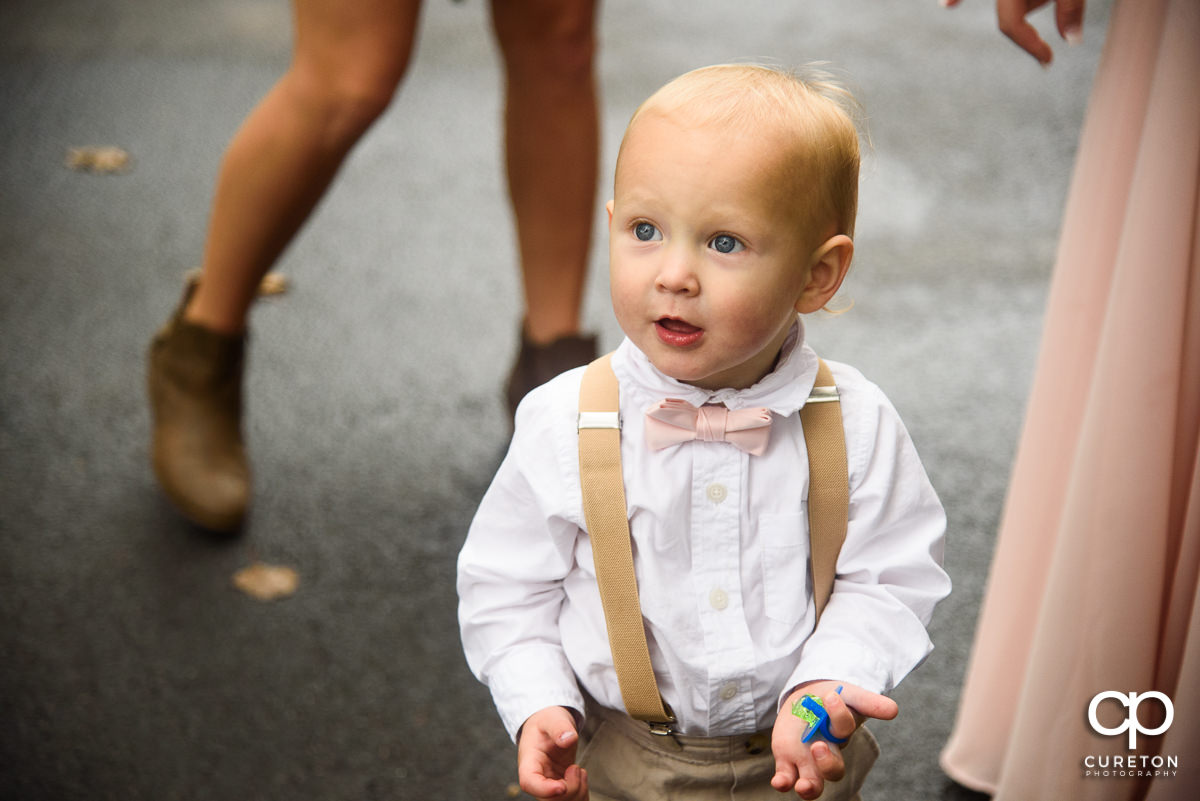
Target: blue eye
[(646, 232), (724, 243)]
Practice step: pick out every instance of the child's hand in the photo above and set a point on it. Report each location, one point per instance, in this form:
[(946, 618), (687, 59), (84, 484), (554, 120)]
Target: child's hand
[(546, 757), (805, 767)]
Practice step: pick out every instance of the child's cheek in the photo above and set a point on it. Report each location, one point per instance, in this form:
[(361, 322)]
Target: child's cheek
[(625, 306), (621, 301)]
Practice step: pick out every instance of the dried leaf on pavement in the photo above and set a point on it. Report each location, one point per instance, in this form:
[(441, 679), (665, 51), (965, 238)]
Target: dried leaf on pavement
[(266, 582), (105, 159)]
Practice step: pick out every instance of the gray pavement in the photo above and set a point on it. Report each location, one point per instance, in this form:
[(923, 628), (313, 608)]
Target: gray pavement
[(131, 668)]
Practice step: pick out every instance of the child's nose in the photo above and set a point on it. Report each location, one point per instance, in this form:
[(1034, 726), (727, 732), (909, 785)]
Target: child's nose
[(677, 274)]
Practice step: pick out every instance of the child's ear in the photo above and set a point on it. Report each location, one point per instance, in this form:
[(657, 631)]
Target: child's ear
[(609, 206), (826, 271)]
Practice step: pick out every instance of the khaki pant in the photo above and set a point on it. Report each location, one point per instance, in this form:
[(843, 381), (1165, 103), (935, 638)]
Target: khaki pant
[(625, 762)]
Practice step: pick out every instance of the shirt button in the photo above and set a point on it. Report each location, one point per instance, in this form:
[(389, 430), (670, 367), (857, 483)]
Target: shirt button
[(729, 690), (717, 492), (719, 599)]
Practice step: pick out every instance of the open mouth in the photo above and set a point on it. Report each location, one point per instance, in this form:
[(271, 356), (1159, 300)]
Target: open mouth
[(677, 332)]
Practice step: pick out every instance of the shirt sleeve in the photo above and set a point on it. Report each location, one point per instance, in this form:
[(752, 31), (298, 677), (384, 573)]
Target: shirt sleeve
[(889, 572), (518, 550)]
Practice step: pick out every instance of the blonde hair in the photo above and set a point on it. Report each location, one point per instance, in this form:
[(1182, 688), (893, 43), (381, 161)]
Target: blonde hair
[(815, 114)]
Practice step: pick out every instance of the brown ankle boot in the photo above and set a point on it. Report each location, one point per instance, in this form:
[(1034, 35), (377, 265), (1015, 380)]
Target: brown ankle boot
[(195, 383), (537, 364)]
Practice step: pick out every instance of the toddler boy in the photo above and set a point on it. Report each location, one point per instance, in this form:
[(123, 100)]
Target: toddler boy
[(733, 211)]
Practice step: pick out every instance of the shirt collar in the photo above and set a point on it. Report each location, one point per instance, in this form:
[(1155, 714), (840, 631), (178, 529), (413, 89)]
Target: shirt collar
[(783, 390)]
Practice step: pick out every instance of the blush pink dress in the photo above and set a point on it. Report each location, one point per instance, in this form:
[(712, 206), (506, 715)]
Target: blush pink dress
[(1093, 586)]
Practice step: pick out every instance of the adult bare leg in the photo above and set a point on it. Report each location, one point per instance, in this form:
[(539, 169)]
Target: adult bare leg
[(347, 60), (552, 147)]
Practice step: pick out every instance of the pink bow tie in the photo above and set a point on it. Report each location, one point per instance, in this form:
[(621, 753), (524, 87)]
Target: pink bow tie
[(673, 421)]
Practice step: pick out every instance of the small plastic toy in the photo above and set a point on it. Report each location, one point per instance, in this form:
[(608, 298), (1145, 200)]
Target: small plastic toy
[(811, 709)]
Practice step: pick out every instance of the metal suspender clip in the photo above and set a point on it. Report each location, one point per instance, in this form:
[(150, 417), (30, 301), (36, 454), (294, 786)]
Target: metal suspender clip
[(823, 395), (599, 420), (664, 728)]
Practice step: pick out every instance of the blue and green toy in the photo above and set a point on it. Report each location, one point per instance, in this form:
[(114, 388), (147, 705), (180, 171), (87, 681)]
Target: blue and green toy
[(811, 709)]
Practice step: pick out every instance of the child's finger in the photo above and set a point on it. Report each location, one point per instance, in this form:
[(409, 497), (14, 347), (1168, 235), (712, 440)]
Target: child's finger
[(841, 719), (809, 789), (539, 777), (562, 727), (829, 761), (564, 739), (805, 779), (865, 703), (785, 776), (576, 784), (539, 786)]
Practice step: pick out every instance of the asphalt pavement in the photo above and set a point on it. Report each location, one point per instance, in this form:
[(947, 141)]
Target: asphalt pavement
[(132, 668)]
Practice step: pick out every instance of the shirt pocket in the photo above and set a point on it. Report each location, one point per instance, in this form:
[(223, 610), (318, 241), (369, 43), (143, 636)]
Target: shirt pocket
[(785, 566)]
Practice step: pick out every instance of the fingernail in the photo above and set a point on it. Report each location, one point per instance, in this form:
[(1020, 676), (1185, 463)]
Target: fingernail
[(1074, 36), (820, 751)]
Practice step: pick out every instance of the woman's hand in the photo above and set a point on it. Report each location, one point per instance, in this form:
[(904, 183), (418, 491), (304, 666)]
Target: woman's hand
[(1011, 17)]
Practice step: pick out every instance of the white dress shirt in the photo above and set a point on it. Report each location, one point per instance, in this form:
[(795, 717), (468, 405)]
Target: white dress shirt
[(720, 548)]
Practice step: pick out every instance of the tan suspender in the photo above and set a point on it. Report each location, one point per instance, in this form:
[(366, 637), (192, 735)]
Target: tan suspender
[(608, 525), (828, 483)]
